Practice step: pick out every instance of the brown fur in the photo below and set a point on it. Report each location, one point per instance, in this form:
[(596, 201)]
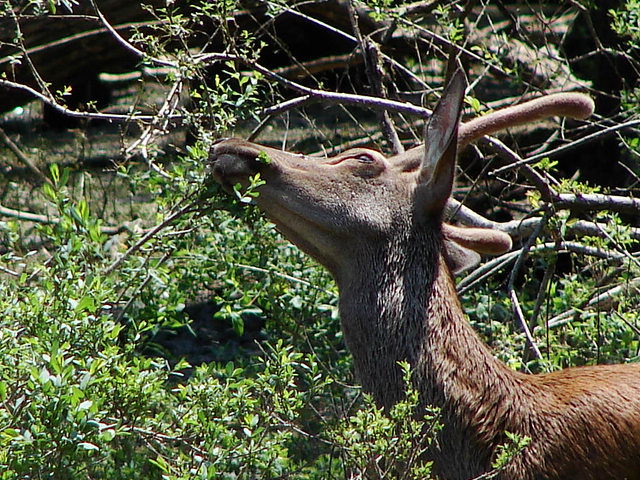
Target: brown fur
[(375, 223)]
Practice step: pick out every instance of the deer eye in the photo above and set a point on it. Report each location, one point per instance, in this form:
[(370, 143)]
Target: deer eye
[(364, 158)]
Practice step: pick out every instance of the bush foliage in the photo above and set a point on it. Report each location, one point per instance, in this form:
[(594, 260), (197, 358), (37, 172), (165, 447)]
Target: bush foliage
[(91, 385)]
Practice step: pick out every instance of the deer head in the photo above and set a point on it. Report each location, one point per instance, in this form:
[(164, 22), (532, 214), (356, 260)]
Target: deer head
[(335, 208)]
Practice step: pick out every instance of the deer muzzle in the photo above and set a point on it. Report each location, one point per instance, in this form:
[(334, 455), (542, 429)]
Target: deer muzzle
[(234, 161)]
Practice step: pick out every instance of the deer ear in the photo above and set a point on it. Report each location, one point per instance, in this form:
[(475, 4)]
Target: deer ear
[(438, 163), (459, 259), (482, 240), (463, 245)]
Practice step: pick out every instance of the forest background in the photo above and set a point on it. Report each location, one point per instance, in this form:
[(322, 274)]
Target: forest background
[(152, 326)]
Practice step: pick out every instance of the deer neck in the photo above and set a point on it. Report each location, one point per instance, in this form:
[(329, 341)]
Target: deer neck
[(402, 306)]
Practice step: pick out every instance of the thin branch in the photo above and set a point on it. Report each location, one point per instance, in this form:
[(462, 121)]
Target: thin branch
[(512, 278), (607, 298), (371, 57), (46, 220), (533, 346), (569, 146), (24, 159), (159, 124), (542, 295), (512, 157), (125, 43), (578, 202), (8, 271), (582, 228), (290, 278), (74, 113), (485, 270), (150, 234), (75, 37), (320, 95), (23, 49)]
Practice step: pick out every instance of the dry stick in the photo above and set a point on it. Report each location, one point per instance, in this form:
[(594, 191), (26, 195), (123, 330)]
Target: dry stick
[(23, 158), (8, 271), (597, 201), (584, 228), (510, 157), (28, 216), (23, 49), (147, 236), (489, 268), (309, 94), (74, 113), (78, 36), (168, 106), (628, 323), (485, 270), (321, 95), (512, 278), (371, 57), (399, 66), (564, 201), (50, 100), (632, 286), (36, 218), (427, 34), (125, 43), (163, 116), (543, 293), (571, 146)]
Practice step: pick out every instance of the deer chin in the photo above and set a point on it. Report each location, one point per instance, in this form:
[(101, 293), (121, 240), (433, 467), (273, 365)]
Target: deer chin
[(312, 234)]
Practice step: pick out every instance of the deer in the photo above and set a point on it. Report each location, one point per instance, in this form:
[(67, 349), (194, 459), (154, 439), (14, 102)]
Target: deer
[(376, 223)]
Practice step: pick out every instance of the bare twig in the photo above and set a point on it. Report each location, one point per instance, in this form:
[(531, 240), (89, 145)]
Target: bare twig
[(23, 49), (46, 220), (371, 57), (75, 37), (150, 234), (600, 301), (511, 157), (533, 346), (159, 124), (570, 146), (74, 113), (319, 95), (125, 43), (24, 159), (515, 271)]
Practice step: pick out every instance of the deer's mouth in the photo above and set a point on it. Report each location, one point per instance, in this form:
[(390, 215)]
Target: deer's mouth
[(232, 162)]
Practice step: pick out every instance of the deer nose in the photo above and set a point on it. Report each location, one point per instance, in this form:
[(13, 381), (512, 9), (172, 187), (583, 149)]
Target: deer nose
[(229, 167)]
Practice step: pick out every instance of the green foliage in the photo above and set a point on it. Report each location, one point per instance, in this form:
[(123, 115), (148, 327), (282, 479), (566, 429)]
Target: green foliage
[(513, 446), (87, 391), (380, 8), (451, 24), (626, 21), (378, 444)]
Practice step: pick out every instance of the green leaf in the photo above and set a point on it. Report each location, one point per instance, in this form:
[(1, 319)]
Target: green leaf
[(55, 173), (86, 304), (88, 446)]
